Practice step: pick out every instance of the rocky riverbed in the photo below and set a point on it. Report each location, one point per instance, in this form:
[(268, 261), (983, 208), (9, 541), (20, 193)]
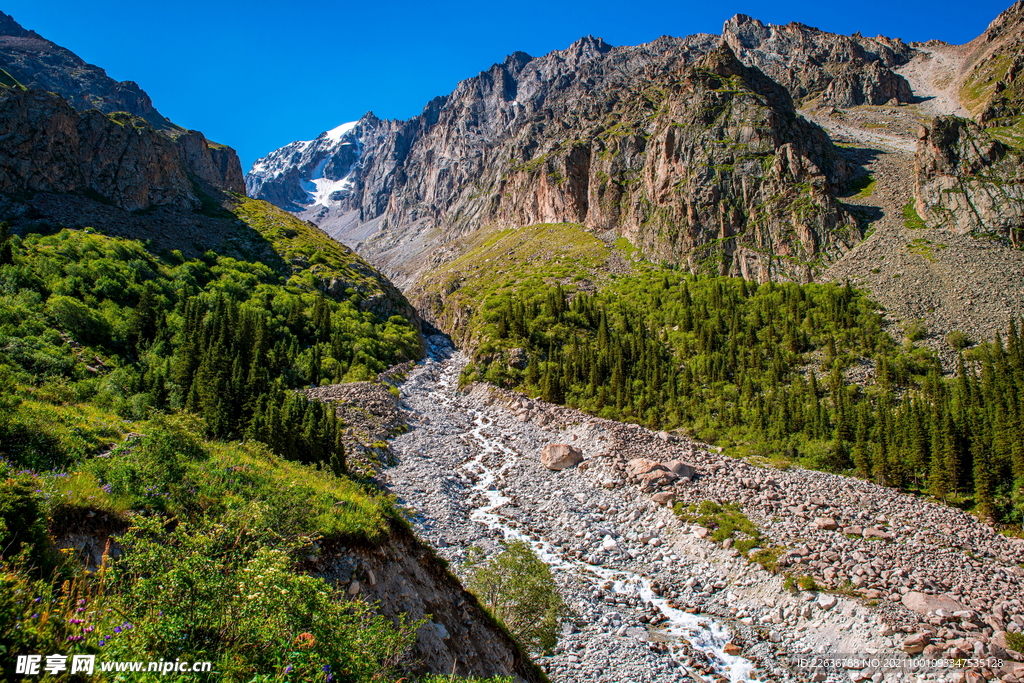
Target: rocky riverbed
[(656, 599)]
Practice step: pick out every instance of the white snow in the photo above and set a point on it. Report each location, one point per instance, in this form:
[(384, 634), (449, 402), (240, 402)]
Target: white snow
[(319, 187), (335, 134)]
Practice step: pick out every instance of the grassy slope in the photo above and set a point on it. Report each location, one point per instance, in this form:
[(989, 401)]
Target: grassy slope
[(510, 262), (214, 533)]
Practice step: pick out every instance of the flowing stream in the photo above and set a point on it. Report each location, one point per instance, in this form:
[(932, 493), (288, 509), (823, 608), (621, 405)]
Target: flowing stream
[(701, 632)]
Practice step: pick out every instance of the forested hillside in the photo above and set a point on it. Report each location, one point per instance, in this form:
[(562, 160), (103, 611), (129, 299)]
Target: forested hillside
[(780, 370), (152, 395)]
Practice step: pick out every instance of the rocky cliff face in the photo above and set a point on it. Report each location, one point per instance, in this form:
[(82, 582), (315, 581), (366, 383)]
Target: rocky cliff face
[(117, 158), (40, 64), (405, 578), (674, 144), (844, 71), (969, 182), (99, 135), (991, 80)]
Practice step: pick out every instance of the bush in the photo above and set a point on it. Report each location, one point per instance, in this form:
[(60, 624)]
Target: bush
[(76, 319), (519, 590), (22, 523), (915, 330), (958, 340), (807, 583)]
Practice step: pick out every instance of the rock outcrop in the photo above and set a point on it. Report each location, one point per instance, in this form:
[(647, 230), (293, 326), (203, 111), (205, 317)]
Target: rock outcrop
[(404, 577), (117, 158), (40, 64), (77, 130), (675, 145), (844, 70), (968, 181)]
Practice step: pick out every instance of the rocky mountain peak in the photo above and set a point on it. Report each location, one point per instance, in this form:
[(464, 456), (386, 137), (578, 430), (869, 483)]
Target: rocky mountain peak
[(1008, 20), (10, 27), (842, 71), (75, 130), (587, 47)]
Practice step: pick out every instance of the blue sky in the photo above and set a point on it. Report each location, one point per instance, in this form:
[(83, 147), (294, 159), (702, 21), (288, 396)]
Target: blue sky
[(257, 75)]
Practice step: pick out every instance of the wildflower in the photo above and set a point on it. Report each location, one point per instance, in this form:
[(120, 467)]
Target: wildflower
[(304, 640), (117, 629)]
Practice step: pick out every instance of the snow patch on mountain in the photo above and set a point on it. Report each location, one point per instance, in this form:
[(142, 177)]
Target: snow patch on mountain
[(308, 174), (336, 134)]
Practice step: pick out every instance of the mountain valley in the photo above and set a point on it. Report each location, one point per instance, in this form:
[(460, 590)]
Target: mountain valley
[(719, 335)]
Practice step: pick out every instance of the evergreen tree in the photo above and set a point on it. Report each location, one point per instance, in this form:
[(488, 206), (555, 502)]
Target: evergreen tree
[(6, 247)]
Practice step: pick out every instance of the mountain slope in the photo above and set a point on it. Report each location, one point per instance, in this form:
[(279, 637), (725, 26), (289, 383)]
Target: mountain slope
[(674, 144), (107, 138), (43, 65)]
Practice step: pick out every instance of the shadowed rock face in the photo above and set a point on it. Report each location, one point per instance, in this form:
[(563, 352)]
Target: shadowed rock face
[(96, 134), (967, 181), (40, 64), (674, 144), (844, 71), (118, 158)]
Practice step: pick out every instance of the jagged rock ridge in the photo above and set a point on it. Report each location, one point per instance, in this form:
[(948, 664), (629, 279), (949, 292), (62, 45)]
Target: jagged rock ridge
[(70, 128), (42, 65), (674, 144), (844, 70)]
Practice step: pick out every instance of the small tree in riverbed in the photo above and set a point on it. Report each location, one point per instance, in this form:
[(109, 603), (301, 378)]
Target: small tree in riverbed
[(519, 590)]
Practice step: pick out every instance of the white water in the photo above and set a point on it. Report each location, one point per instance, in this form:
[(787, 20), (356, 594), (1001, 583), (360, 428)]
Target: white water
[(702, 633)]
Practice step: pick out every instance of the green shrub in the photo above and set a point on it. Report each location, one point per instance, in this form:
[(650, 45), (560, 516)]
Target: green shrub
[(518, 589), (74, 317), (915, 330), (958, 340), (807, 583), (22, 521)]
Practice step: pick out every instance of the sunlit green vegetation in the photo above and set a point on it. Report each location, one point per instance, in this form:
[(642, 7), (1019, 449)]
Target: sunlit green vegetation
[(766, 370), (155, 397)]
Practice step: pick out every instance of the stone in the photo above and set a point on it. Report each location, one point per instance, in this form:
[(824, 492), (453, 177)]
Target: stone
[(657, 478), (663, 498), (916, 643), (681, 469), (826, 523), (353, 588), (638, 467), (732, 649), (826, 601), (560, 456), (923, 603), (517, 358), (875, 532)]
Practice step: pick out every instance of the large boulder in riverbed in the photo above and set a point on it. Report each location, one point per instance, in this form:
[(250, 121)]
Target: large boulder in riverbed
[(638, 467), (922, 603), (681, 469), (559, 456)]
